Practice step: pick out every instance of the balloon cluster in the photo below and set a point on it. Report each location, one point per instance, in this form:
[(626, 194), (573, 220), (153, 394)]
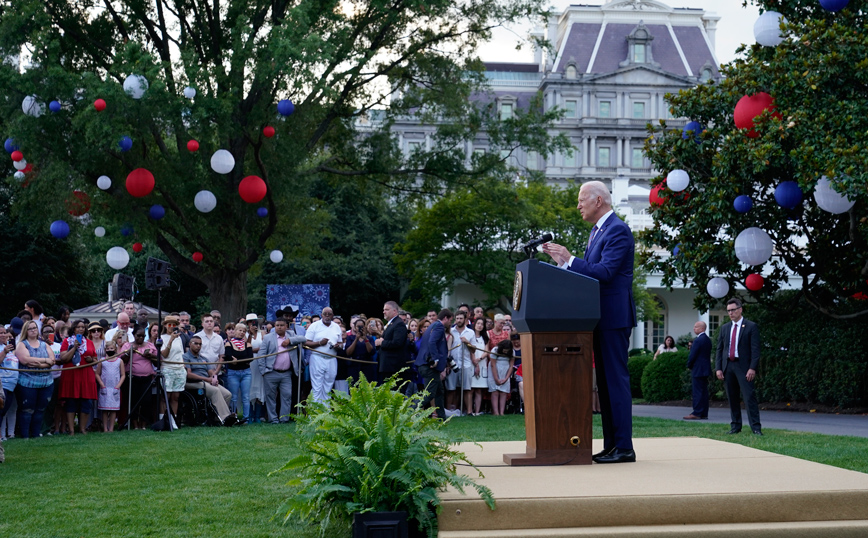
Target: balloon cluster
[(141, 182)]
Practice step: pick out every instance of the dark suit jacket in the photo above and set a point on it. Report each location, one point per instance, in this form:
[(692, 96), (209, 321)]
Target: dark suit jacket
[(433, 345), (393, 351), (699, 359), (748, 346), (609, 259)]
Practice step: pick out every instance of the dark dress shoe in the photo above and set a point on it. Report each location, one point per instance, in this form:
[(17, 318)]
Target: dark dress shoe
[(604, 452), (757, 432), (734, 431), (618, 455)]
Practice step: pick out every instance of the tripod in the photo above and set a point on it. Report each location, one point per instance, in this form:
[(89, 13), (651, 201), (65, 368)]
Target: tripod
[(157, 385)]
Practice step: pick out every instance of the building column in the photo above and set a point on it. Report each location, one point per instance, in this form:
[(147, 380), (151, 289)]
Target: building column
[(584, 151), (593, 158), (619, 152), (639, 335)]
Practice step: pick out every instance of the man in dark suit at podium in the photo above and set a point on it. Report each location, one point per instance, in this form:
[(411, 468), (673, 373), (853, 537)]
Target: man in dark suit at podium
[(609, 259), (699, 364)]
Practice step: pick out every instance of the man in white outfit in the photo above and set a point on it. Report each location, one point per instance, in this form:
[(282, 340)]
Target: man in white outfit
[(324, 336)]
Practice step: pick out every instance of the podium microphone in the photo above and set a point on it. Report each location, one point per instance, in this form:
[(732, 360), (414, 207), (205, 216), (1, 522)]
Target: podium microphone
[(530, 247)]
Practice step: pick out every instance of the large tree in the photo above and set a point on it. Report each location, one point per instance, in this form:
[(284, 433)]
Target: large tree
[(818, 79), (336, 60)]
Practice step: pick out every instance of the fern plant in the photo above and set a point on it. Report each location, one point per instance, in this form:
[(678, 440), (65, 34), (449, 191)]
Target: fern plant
[(373, 451)]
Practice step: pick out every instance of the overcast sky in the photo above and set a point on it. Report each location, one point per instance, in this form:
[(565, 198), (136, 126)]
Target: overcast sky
[(734, 28)]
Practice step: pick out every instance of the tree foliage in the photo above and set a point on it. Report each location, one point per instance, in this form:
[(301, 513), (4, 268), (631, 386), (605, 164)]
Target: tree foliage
[(337, 60), (819, 81)]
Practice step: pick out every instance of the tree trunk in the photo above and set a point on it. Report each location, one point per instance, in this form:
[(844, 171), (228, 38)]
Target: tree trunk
[(228, 294)]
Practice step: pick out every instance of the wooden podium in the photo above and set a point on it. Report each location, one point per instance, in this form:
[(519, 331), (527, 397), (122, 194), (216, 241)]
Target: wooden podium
[(555, 311)]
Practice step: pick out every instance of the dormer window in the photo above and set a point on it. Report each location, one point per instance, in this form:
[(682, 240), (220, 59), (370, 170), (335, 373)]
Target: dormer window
[(639, 47), (570, 72)]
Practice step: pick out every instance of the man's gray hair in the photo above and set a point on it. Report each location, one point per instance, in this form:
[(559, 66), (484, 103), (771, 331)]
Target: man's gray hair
[(393, 305), (598, 188)]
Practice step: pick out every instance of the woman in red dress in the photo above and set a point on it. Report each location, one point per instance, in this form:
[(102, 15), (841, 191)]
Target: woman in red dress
[(78, 385)]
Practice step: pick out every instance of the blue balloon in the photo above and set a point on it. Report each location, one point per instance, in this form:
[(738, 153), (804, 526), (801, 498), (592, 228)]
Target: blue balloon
[(10, 145), (54, 106), (834, 5), (127, 230), (157, 212), (59, 229), (285, 107), (788, 194), (743, 203), (126, 143), (694, 126), (262, 212), (677, 250)]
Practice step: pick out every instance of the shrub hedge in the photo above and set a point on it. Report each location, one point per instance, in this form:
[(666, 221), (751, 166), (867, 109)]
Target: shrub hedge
[(664, 379), (636, 365)]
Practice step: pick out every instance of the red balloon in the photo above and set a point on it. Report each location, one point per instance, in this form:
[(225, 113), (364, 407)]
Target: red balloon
[(654, 197), (79, 204), (751, 106), (197, 257), (137, 247), (192, 145), (17, 155), (27, 169), (252, 189), (99, 105), (268, 131), (140, 182), (754, 282)]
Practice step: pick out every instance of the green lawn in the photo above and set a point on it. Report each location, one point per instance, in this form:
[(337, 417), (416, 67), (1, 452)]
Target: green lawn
[(213, 482)]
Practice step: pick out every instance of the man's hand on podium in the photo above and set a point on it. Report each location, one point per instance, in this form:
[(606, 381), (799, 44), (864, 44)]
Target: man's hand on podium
[(559, 253)]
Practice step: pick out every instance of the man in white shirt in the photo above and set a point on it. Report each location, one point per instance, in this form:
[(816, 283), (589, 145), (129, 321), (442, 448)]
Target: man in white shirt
[(324, 336), (212, 343), (123, 325), (462, 334)]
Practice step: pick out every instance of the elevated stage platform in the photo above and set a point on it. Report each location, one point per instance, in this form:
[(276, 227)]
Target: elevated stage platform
[(679, 487)]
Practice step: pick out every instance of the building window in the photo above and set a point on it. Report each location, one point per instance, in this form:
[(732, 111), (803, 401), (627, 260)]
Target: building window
[(714, 322), (479, 152), (532, 160), (570, 158), (603, 155), (639, 111), (505, 111), (706, 75), (638, 158), (571, 107), (570, 72), (605, 109), (639, 53), (413, 147), (657, 331)]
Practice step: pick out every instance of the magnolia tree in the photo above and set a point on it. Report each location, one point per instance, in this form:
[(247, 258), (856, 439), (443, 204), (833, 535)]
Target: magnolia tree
[(199, 126), (765, 188)]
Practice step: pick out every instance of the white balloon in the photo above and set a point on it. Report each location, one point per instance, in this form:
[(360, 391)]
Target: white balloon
[(767, 29), (19, 175), (717, 287), (205, 201), (135, 86), (103, 182), (189, 92), (32, 107), (677, 180), (222, 161), (99, 231), (117, 258), (276, 256), (828, 199), (20, 165), (753, 246)]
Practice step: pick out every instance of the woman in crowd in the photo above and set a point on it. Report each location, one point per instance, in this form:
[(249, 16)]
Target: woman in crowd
[(498, 333), (668, 346), (78, 385), (499, 372), (35, 384), (238, 348), (479, 382), (174, 373), (144, 355), (360, 346), (36, 312), (154, 332), (8, 378)]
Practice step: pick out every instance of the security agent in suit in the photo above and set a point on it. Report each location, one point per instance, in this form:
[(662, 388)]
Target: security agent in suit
[(277, 370), (432, 360), (393, 344), (736, 365), (699, 364), (609, 259)]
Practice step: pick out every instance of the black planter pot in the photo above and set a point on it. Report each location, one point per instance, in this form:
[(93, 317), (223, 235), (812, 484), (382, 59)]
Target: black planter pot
[(380, 525)]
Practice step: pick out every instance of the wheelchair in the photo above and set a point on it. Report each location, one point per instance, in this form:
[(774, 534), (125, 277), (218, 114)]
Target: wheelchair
[(195, 409)]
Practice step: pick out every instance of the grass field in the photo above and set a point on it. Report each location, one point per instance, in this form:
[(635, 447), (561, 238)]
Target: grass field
[(209, 482)]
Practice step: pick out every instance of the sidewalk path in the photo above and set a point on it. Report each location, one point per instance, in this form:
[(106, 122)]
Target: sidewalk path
[(854, 425)]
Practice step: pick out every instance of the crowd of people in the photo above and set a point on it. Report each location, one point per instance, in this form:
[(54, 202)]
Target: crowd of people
[(61, 375)]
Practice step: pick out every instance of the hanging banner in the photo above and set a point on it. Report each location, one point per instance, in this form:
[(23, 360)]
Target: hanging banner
[(310, 298)]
